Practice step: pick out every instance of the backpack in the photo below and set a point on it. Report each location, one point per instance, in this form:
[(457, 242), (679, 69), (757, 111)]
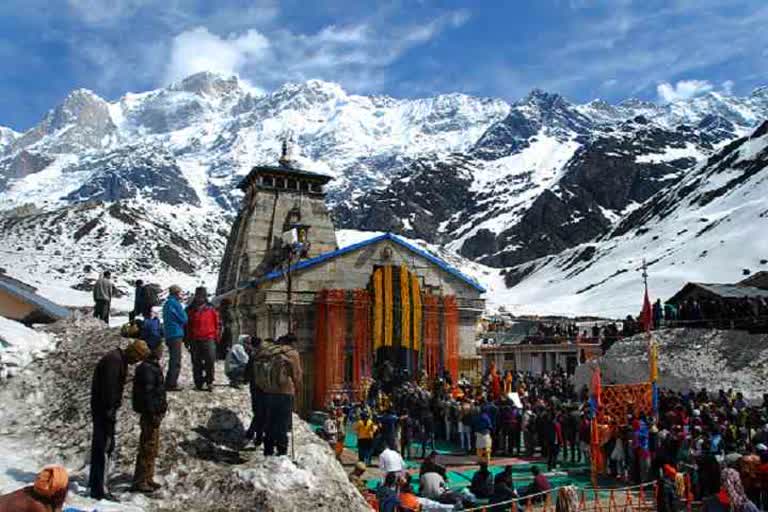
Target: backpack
[(272, 368), (152, 295)]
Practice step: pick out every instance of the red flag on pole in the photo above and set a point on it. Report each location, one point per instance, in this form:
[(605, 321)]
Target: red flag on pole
[(646, 316)]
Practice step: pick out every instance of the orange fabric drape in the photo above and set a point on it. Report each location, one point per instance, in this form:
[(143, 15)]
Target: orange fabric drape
[(361, 320), (330, 341), (596, 451), (431, 334), (337, 330), (321, 348), (451, 322), (417, 312), (388, 309), (405, 307), (378, 308)]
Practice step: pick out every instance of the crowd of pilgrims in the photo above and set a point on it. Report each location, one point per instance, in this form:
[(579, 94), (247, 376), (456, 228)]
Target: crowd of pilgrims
[(749, 313), (710, 437), (744, 312)]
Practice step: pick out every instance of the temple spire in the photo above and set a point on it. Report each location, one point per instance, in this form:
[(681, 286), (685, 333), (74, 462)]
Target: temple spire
[(286, 154)]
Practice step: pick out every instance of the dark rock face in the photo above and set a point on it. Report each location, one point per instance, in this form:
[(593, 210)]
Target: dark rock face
[(539, 109), (22, 164), (416, 204), (134, 171), (552, 223), (173, 259), (614, 169)]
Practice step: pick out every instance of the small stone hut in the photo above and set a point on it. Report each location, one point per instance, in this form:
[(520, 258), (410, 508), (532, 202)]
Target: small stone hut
[(382, 301)]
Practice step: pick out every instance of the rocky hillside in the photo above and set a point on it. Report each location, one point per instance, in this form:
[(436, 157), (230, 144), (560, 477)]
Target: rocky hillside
[(690, 359), (146, 184), (202, 464)]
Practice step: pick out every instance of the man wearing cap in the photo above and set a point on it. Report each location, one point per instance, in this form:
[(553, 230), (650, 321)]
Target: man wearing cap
[(174, 323), (106, 398), (356, 477)]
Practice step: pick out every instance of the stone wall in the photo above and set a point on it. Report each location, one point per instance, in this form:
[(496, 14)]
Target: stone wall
[(259, 227)]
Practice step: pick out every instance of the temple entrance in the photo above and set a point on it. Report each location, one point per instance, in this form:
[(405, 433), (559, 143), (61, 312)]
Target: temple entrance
[(392, 332)]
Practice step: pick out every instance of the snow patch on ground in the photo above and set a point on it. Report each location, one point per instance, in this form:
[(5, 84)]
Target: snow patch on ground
[(19, 346)]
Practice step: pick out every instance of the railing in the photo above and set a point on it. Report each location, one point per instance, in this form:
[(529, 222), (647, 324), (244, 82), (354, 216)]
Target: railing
[(625, 499)]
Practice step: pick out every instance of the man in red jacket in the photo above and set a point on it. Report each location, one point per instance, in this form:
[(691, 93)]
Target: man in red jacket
[(203, 332)]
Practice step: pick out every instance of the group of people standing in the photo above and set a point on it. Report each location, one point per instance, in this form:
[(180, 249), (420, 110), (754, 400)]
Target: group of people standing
[(272, 370)]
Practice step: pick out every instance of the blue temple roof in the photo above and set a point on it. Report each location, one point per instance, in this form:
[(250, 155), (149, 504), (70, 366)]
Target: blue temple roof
[(311, 262)]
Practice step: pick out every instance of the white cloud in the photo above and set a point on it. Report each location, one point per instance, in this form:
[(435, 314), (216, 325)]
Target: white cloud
[(356, 55), (682, 90), (728, 87), (198, 50)]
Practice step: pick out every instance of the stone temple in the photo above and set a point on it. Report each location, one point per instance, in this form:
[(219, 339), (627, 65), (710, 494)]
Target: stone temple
[(380, 303)]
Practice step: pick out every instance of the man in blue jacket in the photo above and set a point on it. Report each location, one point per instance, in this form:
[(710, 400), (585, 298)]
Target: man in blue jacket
[(174, 322)]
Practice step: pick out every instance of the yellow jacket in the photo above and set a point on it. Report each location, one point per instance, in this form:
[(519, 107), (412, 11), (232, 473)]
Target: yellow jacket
[(365, 429)]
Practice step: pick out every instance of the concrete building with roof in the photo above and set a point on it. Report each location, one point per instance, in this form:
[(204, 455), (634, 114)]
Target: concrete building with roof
[(380, 303), (20, 301)]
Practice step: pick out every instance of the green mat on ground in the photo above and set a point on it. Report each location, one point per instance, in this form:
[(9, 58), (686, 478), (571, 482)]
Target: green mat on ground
[(577, 474)]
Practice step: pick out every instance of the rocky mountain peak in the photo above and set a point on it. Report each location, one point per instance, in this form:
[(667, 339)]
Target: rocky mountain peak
[(81, 121), (760, 92), (545, 100), (7, 136), (207, 83), (309, 92), (638, 103), (81, 107)]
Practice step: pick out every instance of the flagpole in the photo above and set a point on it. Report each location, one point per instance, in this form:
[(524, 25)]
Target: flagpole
[(650, 348)]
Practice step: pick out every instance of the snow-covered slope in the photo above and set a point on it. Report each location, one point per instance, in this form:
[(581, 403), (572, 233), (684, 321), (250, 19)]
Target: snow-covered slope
[(19, 345), (709, 226)]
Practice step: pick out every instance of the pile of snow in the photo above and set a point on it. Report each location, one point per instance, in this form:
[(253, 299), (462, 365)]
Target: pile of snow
[(690, 359), (19, 346), (202, 462)]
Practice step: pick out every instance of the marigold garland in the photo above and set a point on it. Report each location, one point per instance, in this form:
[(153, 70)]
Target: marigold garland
[(388, 310), (405, 305), (378, 308)]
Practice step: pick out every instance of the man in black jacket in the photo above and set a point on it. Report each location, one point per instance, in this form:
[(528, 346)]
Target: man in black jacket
[(149, 400), (106, 398)]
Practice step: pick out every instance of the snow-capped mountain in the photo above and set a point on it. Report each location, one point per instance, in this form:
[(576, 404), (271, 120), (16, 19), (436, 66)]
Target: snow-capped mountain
[(146, 184), (552, 175), (708, 226)]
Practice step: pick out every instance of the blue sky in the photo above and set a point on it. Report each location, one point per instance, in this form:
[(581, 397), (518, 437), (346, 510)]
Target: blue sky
[(583, 49)]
